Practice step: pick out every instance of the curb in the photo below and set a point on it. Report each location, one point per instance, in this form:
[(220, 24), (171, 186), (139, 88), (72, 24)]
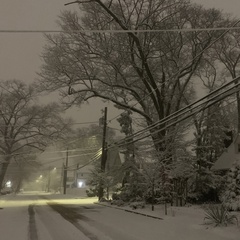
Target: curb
[(126, 210)]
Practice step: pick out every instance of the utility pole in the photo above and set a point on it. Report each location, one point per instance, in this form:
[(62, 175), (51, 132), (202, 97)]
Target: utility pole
[(104, 153), (49, 176), (61, 179), (65, 174)]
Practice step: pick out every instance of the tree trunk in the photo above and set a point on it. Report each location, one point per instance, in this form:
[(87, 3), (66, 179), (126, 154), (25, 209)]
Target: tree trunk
[(18, 187), (238, 111), (4, 171)]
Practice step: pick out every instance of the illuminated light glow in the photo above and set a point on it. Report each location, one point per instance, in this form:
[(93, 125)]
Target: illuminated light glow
[(9, 184), (80, 184), (60, 199)]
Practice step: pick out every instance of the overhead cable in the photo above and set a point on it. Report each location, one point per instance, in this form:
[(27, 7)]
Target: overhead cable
[(118, 30), (174, 75), (189, 107), (208, 103)]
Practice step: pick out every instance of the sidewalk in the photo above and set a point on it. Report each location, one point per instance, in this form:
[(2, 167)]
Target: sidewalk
[(128, 209), (159, 211)]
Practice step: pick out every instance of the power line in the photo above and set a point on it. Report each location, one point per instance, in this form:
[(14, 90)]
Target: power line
[(119, 30), (176, 74), (188, 125), (207, 103), (187, 108), (81, 123), (94, 158), (56, 159), (26, 153), (98, 153), (176, 122), (61, 158)]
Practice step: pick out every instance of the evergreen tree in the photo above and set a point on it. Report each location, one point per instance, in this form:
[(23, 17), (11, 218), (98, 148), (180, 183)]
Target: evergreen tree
[(211, 134), (125, 121), (231, 195)]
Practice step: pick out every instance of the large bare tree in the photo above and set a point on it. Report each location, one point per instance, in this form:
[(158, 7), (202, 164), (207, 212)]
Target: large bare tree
[(24, 124), (149, 73), (227, 52)]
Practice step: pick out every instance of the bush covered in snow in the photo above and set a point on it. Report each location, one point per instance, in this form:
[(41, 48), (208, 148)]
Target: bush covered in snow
[(219, 216), (135, 205), (118, 202), (231, 195)]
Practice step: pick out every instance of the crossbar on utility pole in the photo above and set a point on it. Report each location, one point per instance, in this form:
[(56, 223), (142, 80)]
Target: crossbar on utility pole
[(104, 153)]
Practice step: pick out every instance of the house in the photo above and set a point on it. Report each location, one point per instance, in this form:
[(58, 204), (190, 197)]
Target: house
[(229, 157), (83, 175), (113, 163)]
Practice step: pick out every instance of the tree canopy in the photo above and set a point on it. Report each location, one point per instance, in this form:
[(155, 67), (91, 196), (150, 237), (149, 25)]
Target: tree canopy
[(24, 124), (150, 73)]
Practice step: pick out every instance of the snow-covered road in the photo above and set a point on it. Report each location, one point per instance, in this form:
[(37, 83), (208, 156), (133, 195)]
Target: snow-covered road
[(37, 216), (51, 226)]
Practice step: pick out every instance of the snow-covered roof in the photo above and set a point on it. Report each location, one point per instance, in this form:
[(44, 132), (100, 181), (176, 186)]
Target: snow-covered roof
[(229, 157)]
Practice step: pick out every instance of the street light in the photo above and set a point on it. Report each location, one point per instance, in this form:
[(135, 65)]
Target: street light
[(40, 183), (49, 177)]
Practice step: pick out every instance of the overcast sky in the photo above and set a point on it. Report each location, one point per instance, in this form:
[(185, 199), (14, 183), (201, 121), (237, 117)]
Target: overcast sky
[(19, 55)]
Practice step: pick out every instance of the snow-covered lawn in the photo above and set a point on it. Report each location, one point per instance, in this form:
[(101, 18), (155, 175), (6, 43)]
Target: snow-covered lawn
[(185, 223)]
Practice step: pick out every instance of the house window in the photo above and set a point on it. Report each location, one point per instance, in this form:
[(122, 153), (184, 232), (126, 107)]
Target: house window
[(238, 147)]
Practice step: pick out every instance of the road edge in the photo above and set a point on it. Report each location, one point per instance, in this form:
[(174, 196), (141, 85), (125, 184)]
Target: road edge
[(127, 210)]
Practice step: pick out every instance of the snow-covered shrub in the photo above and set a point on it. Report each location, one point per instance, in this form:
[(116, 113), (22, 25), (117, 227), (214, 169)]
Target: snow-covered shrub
[(206, 187), (119, 202), (134, 190), (135, 205), (219, 216), (115, 196), (92, 192), (104, 200), (231, 195)]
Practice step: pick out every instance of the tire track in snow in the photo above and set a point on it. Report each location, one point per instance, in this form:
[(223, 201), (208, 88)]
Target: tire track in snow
[(32, 229), (79, 221), (72, 216)]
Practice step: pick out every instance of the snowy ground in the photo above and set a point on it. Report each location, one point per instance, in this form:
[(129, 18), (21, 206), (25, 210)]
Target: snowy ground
[(35, 216)]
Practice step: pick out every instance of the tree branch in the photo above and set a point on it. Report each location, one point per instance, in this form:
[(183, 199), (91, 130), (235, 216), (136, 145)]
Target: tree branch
[(79, 2)]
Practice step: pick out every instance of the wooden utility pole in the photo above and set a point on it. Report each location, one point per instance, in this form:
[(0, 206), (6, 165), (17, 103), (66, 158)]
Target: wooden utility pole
[(49, 176), (104, 154), (65, 174)]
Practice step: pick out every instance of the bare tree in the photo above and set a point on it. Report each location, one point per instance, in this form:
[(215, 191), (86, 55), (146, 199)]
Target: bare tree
[(228, 53), (148, 73), (24, 125), (21, 168), (211, 129)]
